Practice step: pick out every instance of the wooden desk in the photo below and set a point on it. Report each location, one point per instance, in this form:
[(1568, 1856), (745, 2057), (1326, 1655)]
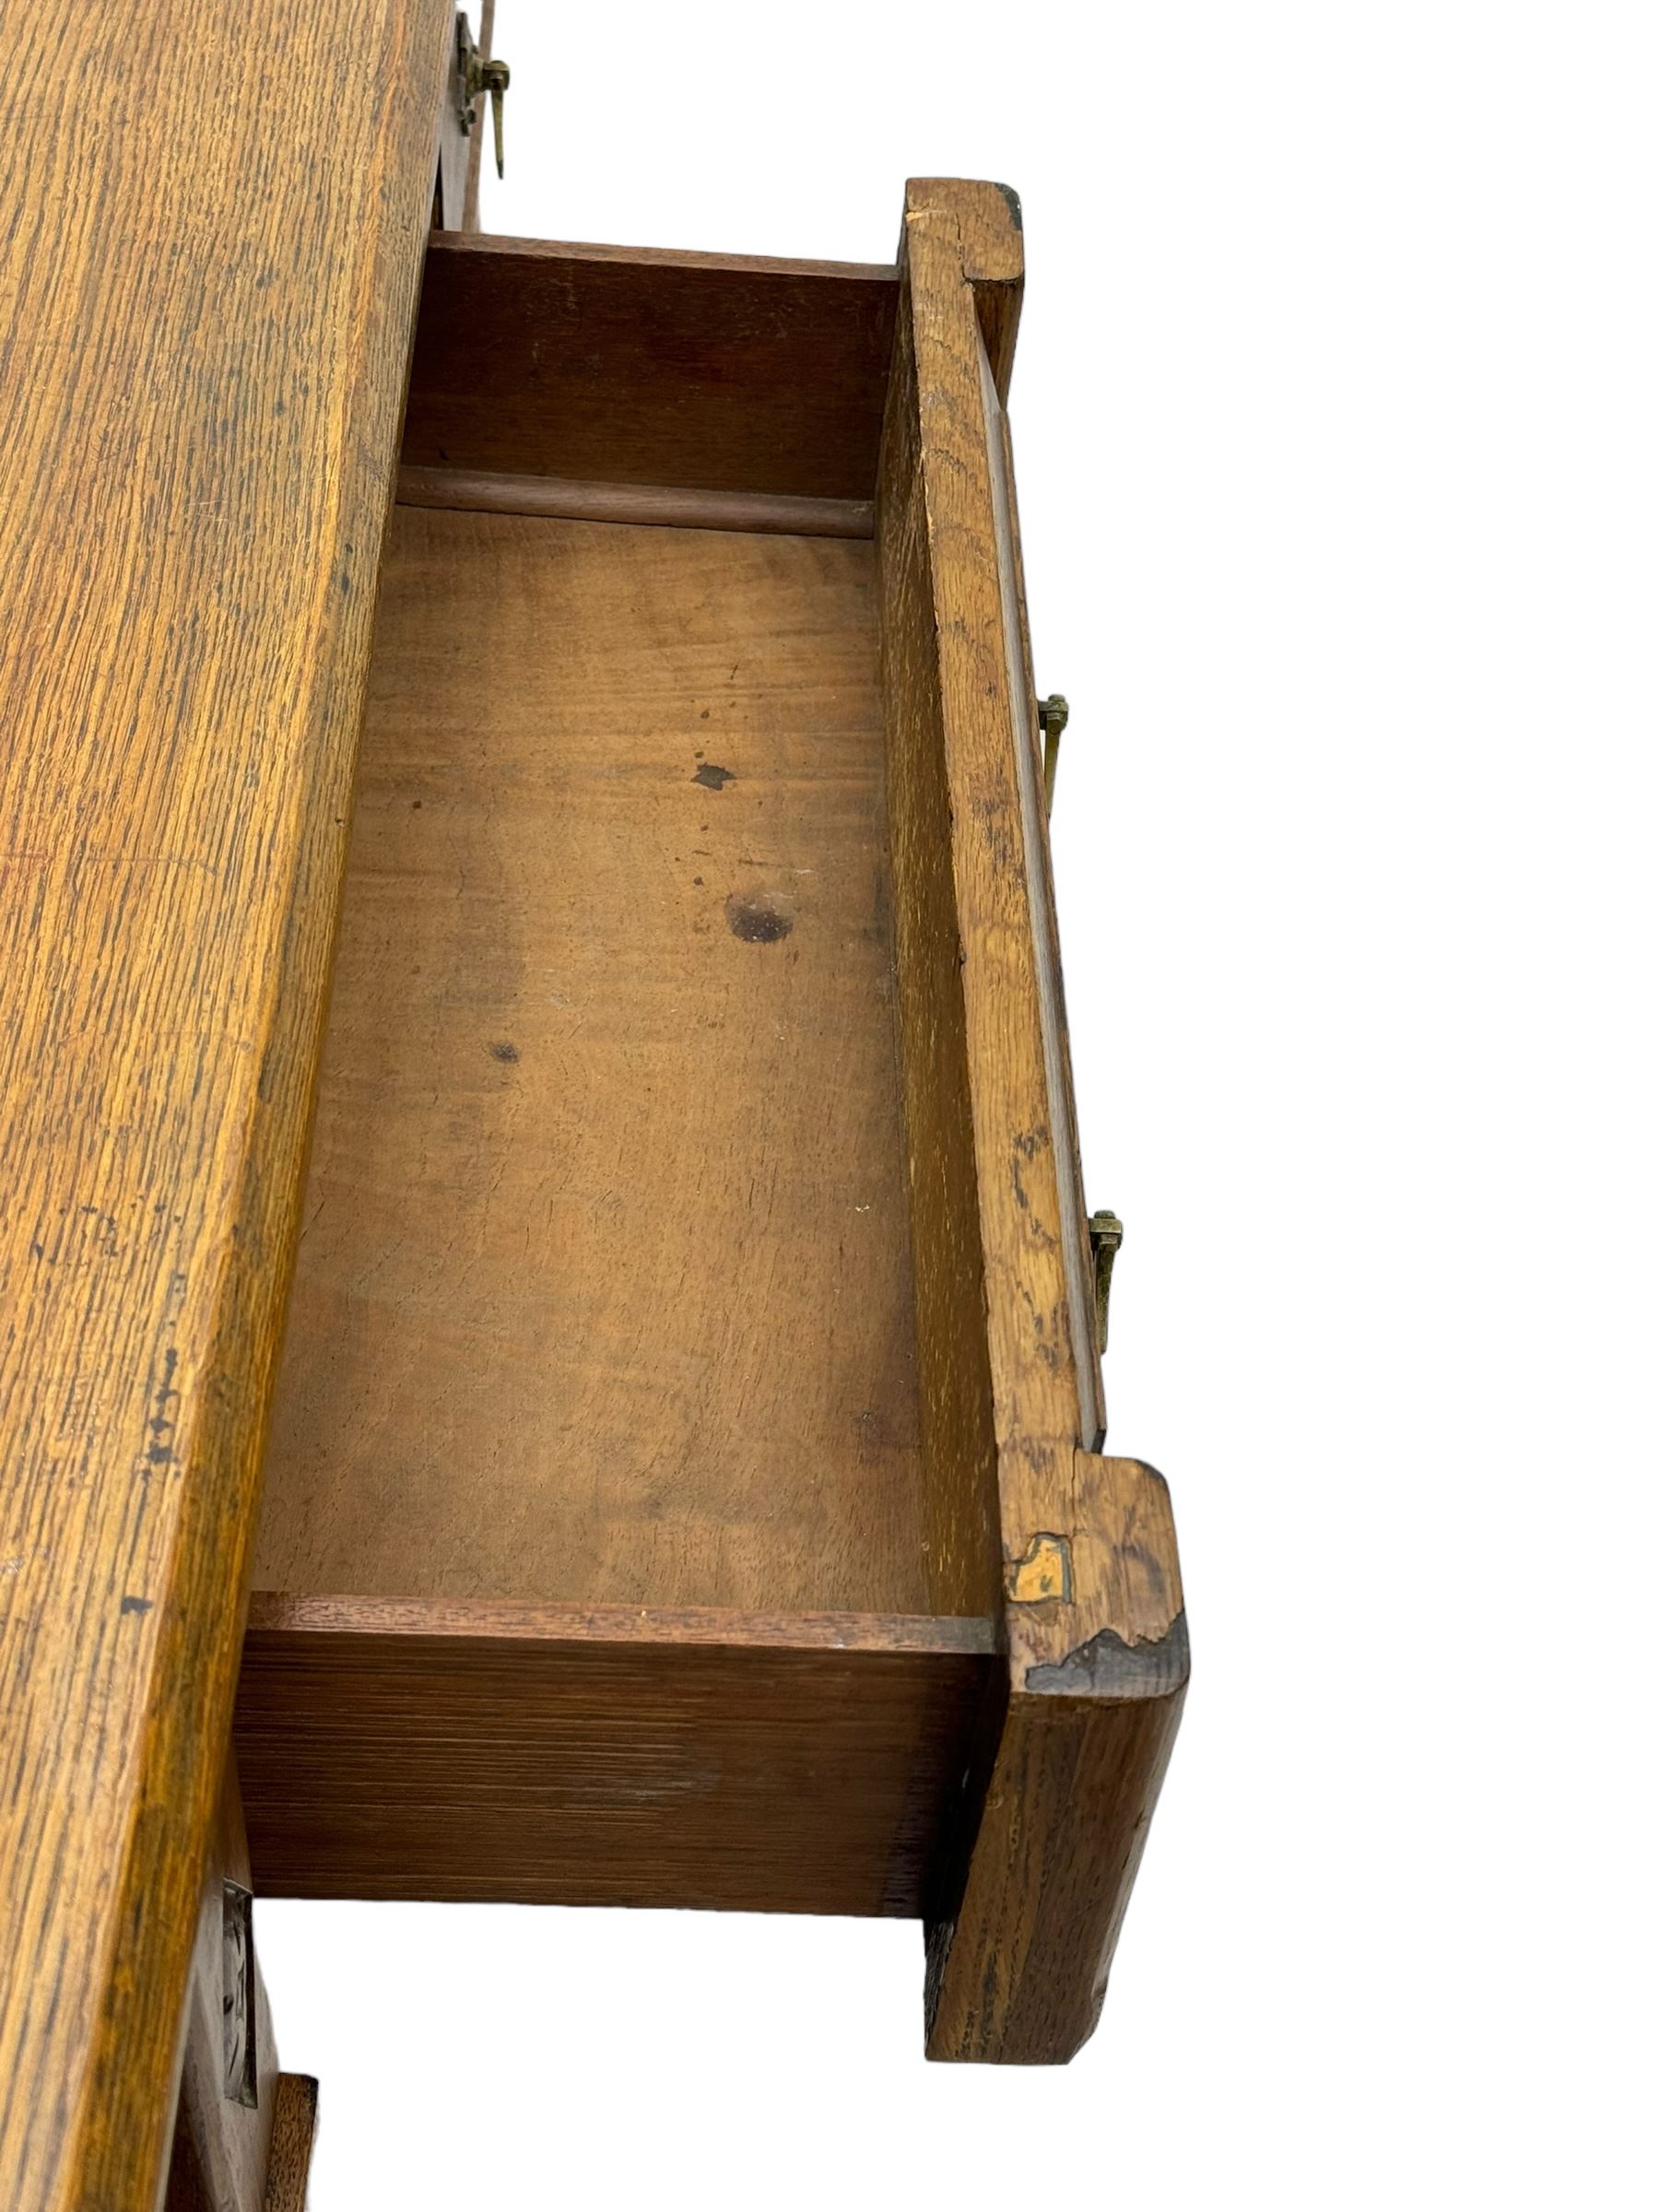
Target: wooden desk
[(684, 1481)]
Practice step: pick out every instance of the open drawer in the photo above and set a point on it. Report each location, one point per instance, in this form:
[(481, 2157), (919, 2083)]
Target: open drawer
[(684, 1485)]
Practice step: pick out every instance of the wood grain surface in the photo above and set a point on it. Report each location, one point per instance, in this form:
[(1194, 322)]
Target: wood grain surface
[(952, 693), (205, 332), (988, 227), (605, 1289), (1018, 1964), (1077, 1259), (612, 364), (604, 1756), (1076, 1251), (291, 2139), (957, 1427), (1052, 1821)]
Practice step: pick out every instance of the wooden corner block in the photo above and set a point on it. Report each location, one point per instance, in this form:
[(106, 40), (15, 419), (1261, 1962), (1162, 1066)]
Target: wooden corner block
[(1096, 1673), (987, 219), (988, 216)]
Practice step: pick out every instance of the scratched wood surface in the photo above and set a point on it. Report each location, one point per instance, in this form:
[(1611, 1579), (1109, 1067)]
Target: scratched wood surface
[(1052, 1825), (1019, 1960), (978, 1091), (203, 328), (604, 1289)]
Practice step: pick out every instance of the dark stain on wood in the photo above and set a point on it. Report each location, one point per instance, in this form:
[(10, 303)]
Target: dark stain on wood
[(1106, 1666), (756, 921)]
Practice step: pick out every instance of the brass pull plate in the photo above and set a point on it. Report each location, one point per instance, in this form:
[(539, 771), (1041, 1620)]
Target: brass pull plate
[(1105, 1236), (1053, 714)]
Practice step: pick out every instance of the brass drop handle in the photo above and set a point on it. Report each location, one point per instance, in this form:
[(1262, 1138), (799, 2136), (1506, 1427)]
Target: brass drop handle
[(1053, 714), (478, 76), (1105, 1236)]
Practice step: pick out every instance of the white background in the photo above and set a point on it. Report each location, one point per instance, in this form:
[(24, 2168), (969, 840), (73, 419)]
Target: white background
[(1335, 415)]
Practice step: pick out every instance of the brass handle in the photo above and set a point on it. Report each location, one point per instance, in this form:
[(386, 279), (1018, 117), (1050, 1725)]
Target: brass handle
[(1053, 714), (1105, 1237), (478, 76)]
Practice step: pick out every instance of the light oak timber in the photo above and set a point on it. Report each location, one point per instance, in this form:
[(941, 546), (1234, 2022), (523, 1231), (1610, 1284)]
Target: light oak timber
[(684, 1484), (944, 568), (1052, 1822), (206, 325)]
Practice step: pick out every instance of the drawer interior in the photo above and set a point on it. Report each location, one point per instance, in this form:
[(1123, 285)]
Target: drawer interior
[(604, 1290), (684, 1486), (629, 1533)]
